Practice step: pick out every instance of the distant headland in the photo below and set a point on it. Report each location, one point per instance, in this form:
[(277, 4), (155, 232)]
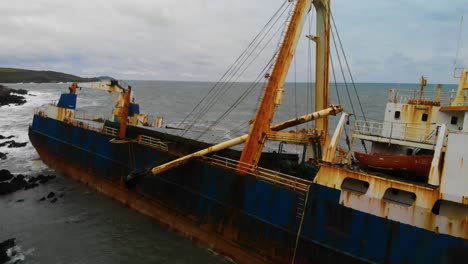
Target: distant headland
[(12, 75)]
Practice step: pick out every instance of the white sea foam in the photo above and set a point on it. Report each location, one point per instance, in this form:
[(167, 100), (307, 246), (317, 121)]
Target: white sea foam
[(15, 255), (15, 121)]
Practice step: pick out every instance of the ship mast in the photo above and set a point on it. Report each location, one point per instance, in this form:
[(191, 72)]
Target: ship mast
[(261, 125), (322, 41)]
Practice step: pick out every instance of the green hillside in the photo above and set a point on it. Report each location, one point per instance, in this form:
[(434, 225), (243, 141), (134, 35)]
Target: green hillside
[(12, 75)]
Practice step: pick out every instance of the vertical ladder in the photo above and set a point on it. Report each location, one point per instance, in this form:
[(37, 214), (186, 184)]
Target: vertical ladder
[(301, 206)]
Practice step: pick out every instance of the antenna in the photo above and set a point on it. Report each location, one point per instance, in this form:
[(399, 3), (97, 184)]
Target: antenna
[(458, 46)]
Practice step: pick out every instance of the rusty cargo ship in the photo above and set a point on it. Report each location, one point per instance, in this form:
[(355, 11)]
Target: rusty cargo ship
[(327, 207)]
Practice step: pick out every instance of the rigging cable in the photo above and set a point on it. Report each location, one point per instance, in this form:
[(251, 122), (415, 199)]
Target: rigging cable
[(234, 70), (342, 73), (250, 88), (235, 62), (239, 100), (351, 76), (349, 69)]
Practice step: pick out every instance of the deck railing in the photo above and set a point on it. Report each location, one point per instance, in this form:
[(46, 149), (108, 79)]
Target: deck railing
[(153, 142), (416, 97), (110, 131), (426, 134), (279, 178)]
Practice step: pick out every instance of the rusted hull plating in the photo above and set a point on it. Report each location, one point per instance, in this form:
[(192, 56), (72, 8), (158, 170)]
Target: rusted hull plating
[(249, 220)]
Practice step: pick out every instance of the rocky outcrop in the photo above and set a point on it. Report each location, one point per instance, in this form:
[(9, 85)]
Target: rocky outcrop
[(13, 144), (5, 175), (8, 96), (4, 247), (10, 183)]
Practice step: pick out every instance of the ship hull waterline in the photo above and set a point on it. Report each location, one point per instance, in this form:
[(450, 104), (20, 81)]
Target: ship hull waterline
[(182, 222), (242, 217), (146, 206)]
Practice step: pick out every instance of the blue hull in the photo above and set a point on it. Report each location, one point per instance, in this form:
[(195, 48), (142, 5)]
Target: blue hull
[(241, 213)]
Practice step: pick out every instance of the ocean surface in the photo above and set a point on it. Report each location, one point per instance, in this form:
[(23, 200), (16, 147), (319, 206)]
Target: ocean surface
[(84, 226)]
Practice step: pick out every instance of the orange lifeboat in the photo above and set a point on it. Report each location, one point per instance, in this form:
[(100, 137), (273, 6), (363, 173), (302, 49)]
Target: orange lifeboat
[(418, 165)]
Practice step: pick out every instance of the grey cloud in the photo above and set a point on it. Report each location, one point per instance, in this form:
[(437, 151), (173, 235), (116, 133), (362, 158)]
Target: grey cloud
[(385, 41)]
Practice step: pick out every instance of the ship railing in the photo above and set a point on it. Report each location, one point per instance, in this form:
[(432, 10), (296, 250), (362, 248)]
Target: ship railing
[(85, 116), (84, 125), (110, 131), (40, 112), (153, 142), (425, 134), (272, 176), (417, 97)]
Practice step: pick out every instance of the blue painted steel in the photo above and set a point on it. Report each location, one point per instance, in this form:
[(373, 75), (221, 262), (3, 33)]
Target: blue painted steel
[(371, 237), (260, 215), (133, 109), (67, 101)]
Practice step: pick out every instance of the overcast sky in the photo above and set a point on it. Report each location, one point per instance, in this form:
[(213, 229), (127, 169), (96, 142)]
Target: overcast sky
[(197, 40)]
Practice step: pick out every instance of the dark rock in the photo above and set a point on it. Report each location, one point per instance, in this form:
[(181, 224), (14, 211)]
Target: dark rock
[(17, 144), (17, 183), (3, 156), (6, 143), (53, 200), (30, 185), (5, 175), (4, 246), (62, 195), (3, 137), (19, 91), (20, 177), (11, 99), (45, 178), (4, 188), (6, 96), (32, 179), (42, 199), (50, 195), (20, 200), (42, 181)]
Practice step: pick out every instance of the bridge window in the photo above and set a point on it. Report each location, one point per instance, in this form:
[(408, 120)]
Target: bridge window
[(356, 186), (397, 114), (454, 120), (424, 117), (397, 196)]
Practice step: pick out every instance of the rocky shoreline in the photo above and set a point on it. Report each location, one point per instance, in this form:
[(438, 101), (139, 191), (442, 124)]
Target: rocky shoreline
[(10, 183), (10, 144), (10, 96), (6, 250)]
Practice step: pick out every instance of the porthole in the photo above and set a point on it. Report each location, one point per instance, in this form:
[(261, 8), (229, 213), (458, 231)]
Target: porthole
[(401, 197), (355, 186)]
